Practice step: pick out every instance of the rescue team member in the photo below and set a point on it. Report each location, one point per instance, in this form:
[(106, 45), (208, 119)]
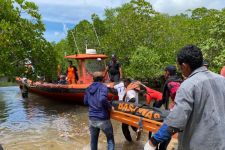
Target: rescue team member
[(153, 94), (198, 114), (120, 88), (132, 89), (114, 70), (169, 91), (99, 111), (170, 87), (71, 74)]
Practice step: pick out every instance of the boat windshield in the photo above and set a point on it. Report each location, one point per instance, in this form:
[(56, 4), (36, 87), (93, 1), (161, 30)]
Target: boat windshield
[(93, 65)]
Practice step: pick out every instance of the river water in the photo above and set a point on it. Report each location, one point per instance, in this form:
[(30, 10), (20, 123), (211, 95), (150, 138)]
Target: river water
[(37, 123)]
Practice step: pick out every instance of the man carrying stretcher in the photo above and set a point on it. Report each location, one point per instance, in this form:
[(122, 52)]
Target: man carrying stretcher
[(198, 113)]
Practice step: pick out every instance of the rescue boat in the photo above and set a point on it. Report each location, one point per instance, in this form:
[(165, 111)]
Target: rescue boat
[(87, 64)]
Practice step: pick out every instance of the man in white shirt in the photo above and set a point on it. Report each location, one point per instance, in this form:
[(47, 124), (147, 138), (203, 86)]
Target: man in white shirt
[(131, 93), (132, 97), (120, 90)]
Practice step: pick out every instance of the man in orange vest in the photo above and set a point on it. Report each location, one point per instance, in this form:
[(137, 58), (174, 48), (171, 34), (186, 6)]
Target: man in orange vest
[(71, 74)]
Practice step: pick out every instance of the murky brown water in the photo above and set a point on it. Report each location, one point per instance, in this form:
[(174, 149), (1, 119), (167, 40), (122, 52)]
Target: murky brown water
[(38, 123)]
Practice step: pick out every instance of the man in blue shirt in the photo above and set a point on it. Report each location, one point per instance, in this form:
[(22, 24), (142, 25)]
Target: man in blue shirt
[(99, 111)]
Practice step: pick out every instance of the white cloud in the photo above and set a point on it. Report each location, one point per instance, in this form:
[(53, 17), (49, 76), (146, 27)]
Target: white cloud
[(173, 7), (62, 12), (72, 11), (75, 3), (56, 33)]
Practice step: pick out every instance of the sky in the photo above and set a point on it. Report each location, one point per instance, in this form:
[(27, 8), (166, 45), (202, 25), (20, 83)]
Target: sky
[(61, 15)]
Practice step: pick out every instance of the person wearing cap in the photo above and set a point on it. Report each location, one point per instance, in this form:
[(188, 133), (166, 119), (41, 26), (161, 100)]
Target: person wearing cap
[(114, 69), (198, 114), (71, 74), (170, 87), (96, 97)]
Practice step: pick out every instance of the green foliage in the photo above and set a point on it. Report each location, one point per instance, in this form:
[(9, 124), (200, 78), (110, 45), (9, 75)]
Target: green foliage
[(62, 49), (82, 35), (146, 41), (214, 45), (21, 40), (149, 59)]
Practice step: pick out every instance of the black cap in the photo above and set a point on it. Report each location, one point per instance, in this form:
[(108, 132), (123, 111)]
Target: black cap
[(171, 69)]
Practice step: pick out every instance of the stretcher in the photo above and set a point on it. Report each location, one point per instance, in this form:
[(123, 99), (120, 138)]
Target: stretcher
[(139, 116), (147, 124)]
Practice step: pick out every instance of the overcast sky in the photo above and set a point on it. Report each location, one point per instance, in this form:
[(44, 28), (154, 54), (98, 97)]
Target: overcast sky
[(61, 15)]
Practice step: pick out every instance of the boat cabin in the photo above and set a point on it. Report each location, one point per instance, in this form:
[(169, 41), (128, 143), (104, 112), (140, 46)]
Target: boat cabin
[(88, 64)]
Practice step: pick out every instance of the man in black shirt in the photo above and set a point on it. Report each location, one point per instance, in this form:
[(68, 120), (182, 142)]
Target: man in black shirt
[(114, 69)]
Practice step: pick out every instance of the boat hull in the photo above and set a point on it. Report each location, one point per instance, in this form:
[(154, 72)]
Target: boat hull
[(60, 94), (66, 93)]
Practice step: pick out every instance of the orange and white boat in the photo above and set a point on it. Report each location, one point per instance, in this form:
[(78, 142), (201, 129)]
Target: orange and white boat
[(87, 64)]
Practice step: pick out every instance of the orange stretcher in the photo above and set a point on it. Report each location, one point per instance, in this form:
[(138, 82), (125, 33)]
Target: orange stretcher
[(149, 125), (131, 114)]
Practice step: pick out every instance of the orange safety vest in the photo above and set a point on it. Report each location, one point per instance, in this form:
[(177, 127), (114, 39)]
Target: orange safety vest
[(71, 75)]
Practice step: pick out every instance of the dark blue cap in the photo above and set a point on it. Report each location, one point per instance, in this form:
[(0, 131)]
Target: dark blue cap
[(171, 69)]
